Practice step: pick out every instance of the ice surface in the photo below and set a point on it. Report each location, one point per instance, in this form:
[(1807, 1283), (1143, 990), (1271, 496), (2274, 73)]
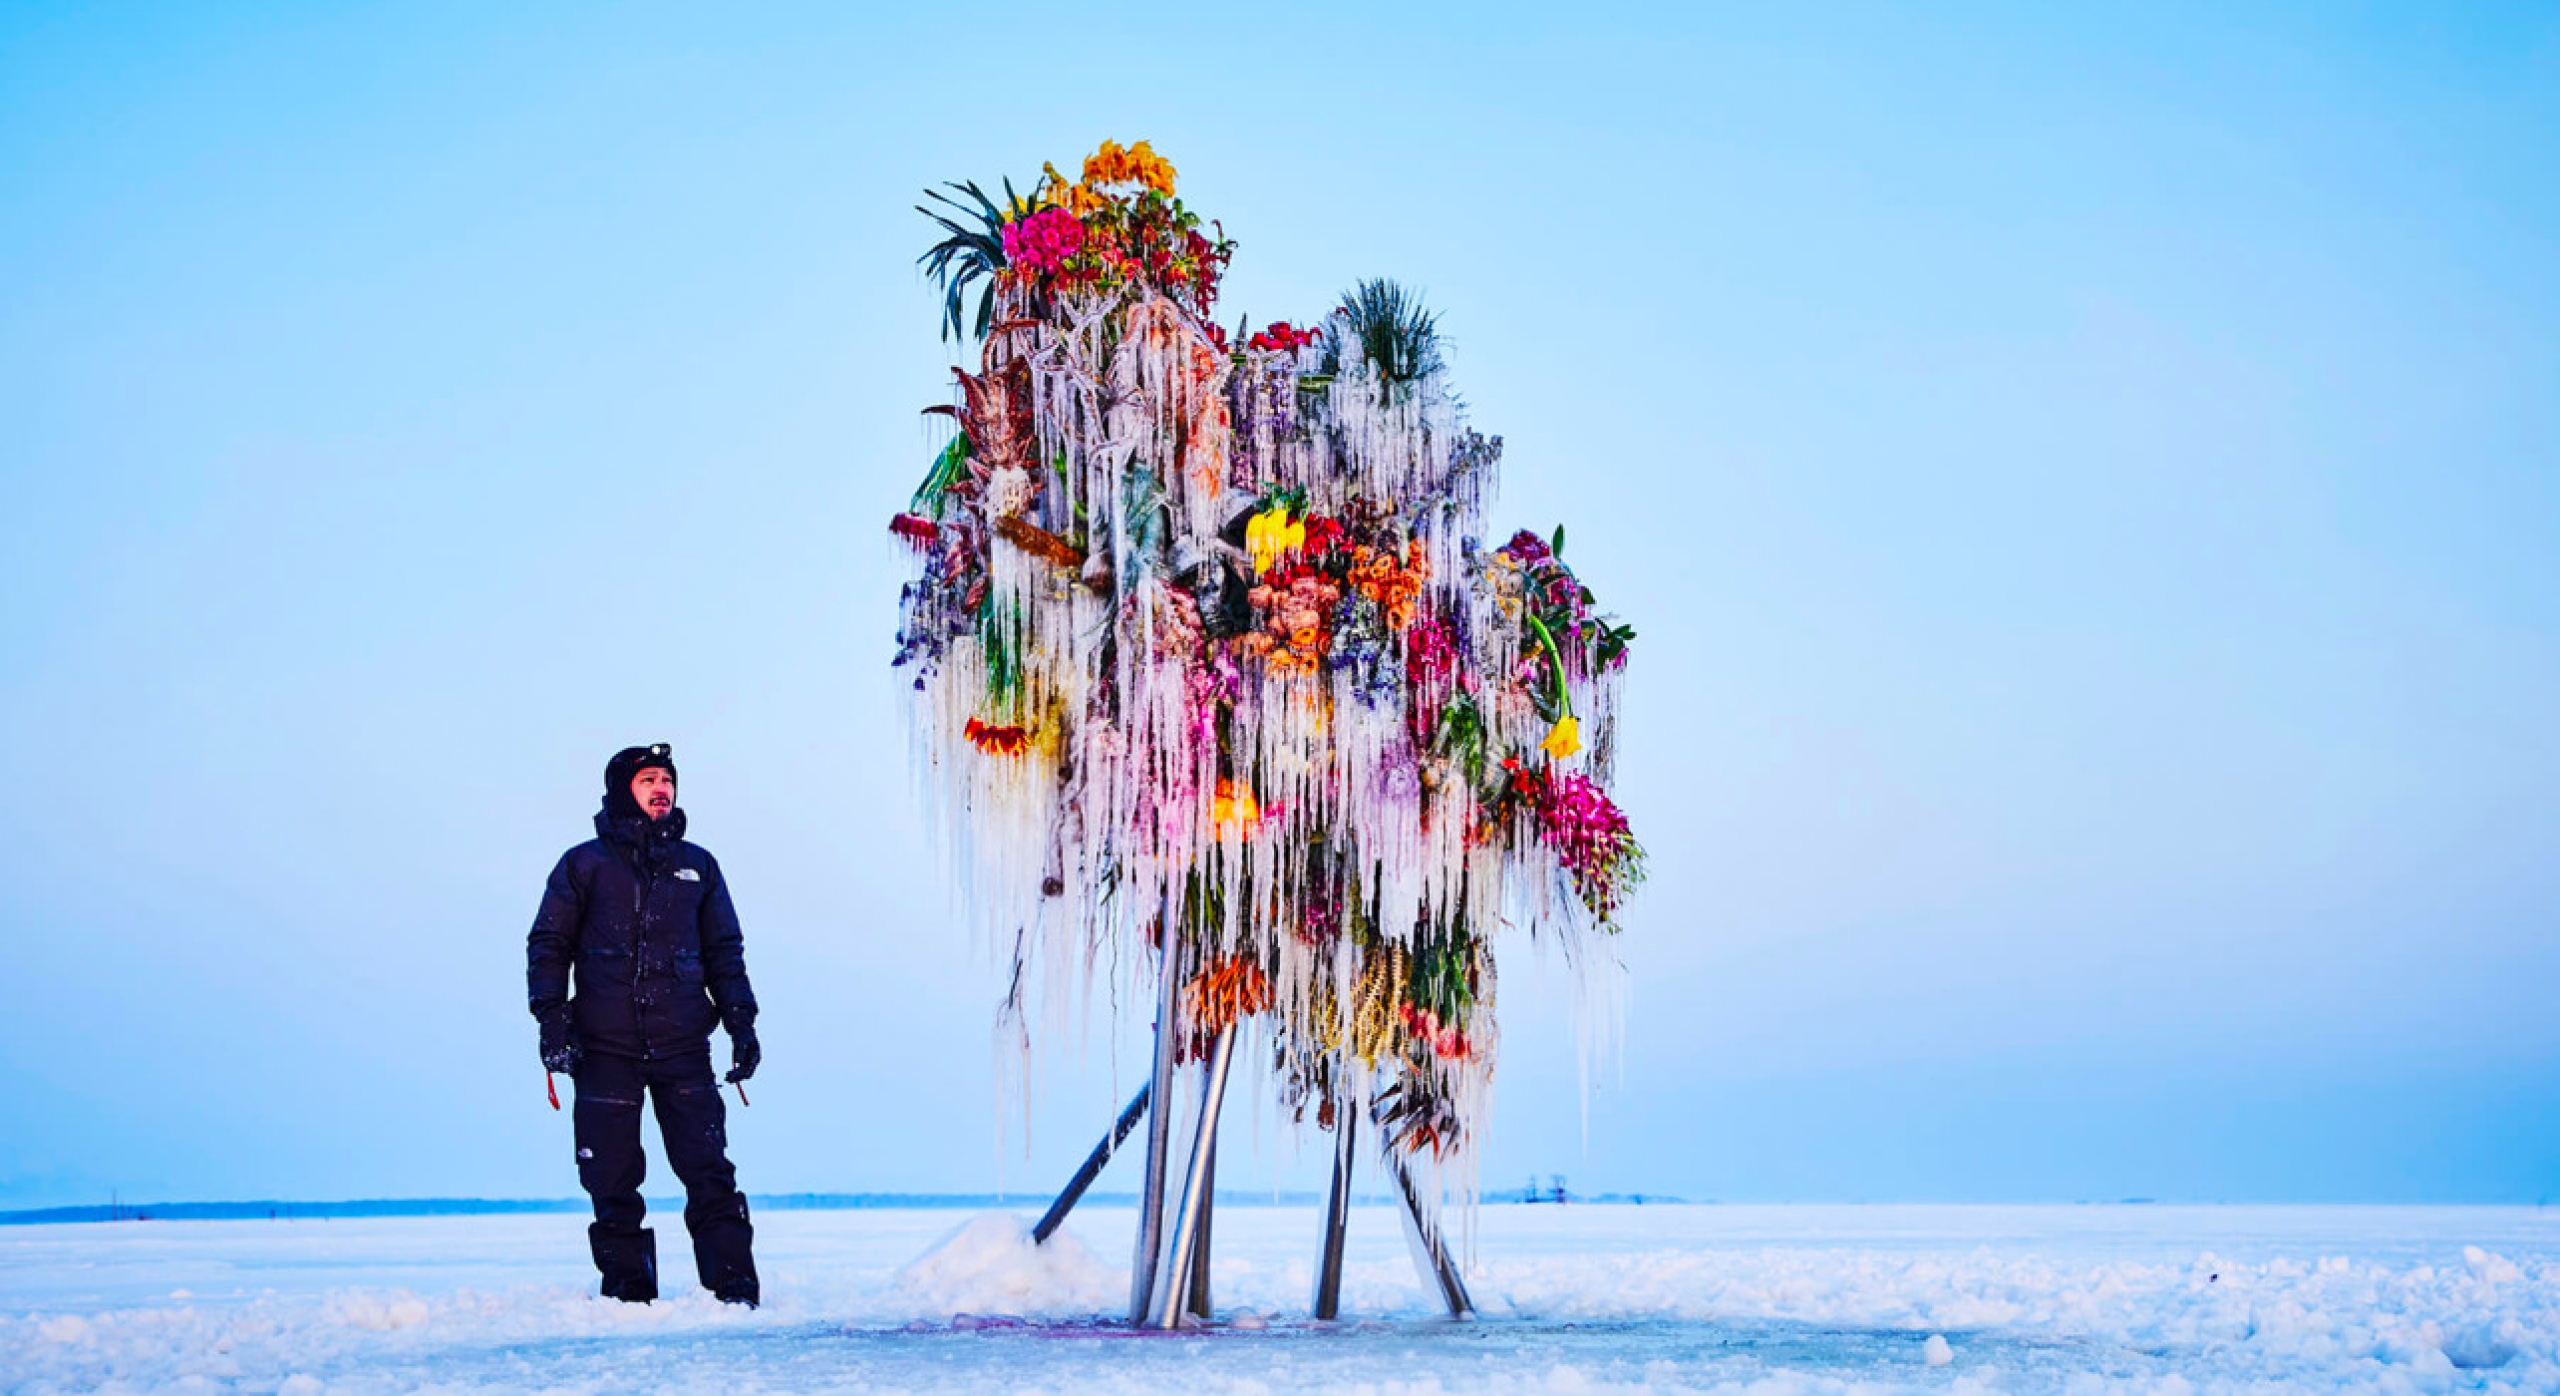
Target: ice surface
[(1776, 1299)]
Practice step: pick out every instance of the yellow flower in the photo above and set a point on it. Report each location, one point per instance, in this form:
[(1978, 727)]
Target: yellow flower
[(1052, 192), (1269, 534), (1565, 739), (1257, 536)]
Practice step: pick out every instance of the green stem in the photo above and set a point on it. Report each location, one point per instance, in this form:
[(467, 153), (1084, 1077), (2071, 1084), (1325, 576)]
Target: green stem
[(1564, 696)]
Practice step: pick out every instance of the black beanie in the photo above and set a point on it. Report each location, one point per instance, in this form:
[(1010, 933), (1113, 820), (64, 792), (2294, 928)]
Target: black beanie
[(630, 762)]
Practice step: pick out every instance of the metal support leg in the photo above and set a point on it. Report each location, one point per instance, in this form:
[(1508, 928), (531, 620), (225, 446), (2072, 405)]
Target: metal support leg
[(1183, 1222), (1430, 1252), (1337, 1212), (1093, 1165), (1142, 1269), (1199, 1305)]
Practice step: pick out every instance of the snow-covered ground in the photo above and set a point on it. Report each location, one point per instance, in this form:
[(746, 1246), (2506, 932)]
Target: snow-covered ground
[(1576, 1298)]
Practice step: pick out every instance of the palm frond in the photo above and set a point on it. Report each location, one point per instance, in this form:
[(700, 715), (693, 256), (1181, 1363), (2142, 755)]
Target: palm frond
[(970, 256)]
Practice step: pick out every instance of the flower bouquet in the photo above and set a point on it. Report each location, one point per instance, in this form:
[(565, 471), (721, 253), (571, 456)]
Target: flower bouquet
[(1210, 660)]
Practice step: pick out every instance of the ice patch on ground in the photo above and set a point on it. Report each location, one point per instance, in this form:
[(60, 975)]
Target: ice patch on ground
[(990, 1265), (2078, 1300)]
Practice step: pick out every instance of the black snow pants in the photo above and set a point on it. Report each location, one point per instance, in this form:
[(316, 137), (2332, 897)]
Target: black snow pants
[(694, 1123)]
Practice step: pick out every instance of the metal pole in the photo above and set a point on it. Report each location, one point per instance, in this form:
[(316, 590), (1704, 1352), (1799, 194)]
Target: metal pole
[(1200, 1243), (1142, 1268), (1093, 1163), (1337, 1212), (1183, 1226), (1430, 1257)]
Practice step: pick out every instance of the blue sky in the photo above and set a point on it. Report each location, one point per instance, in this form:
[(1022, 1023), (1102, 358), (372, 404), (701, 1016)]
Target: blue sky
[(2088, 484)]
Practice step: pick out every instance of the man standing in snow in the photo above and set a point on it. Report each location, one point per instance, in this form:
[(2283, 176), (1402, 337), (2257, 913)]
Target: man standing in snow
[(645, 920)]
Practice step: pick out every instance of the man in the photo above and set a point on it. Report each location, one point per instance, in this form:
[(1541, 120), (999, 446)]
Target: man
[(645, 920)]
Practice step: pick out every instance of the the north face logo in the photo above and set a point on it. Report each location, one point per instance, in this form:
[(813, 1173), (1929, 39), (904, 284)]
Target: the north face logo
[(687, 875)]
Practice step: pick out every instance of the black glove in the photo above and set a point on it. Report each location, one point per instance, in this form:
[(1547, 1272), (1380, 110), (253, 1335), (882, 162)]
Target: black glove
[(745, 1053), (559, 1043)]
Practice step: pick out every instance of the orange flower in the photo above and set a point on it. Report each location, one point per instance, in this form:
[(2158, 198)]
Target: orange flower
[(1233, 987), (1137, 164), (1234, 811), (1394, 584), (997, 741)]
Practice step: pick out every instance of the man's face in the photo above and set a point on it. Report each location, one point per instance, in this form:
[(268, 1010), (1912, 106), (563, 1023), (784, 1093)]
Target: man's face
[(654, 791)]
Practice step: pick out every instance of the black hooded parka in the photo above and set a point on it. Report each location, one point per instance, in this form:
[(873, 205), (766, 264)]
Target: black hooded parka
[(639, 923)]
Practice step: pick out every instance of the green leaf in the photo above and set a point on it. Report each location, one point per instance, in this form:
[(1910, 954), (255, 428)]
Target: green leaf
[(1461, 736), (970, 256), (938, 480)]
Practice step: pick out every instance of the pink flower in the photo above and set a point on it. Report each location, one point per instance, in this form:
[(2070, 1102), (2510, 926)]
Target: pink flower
[(1590, 835), (1044, 241)]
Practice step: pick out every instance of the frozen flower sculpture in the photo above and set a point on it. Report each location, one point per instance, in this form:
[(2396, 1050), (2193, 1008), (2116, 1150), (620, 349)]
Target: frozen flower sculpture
[(1217, 685)]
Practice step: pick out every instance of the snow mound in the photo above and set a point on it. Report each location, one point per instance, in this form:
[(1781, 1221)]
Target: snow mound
[(991, 1265), (376, 1313), (2491, 1267)]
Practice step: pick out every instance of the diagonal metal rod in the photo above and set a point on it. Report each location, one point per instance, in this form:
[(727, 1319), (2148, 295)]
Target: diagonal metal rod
[(1093, 1164), (1142, 1268), (1430, 1254), (1337, 1212), (1182, 1224)]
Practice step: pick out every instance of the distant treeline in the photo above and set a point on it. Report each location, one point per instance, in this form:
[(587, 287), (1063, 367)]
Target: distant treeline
[(485, 1206), (768, 1202)]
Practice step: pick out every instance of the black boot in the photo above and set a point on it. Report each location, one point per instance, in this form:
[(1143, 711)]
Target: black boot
[(722, 1253), (628, 1261)]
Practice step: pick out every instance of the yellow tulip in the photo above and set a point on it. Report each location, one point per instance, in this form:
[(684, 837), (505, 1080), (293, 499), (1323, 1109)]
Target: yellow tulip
[(1269, 534), (1257, 541), (1565, 739)]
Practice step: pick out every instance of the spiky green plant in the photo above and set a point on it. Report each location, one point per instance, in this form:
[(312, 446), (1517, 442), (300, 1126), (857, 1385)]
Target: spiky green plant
[(1460, 737), (947, 469), (1442, 978), (1400, 339), (970, 256), (1000, 634)]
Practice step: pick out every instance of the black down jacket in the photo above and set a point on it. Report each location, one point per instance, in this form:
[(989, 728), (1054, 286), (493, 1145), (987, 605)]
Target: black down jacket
[(639, 923)]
